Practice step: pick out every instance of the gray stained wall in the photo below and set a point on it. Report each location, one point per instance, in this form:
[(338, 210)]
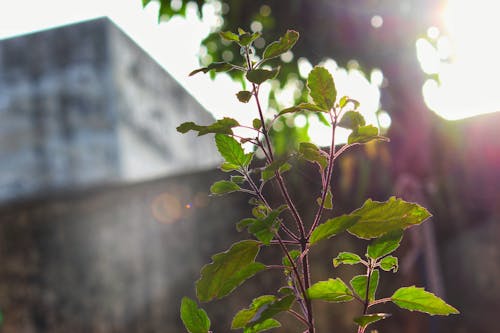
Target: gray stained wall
[(82, 105)]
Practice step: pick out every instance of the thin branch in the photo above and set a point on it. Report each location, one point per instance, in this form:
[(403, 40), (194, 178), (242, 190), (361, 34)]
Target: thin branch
[(298, 316), (329, 171)]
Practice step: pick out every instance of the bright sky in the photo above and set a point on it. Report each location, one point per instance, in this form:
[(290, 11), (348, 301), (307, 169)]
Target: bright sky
[(472, 75)]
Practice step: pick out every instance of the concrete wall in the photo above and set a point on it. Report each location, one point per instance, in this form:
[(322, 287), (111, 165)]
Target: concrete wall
[(82, 105)]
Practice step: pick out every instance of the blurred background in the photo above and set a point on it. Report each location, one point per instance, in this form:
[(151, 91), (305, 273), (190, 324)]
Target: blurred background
[(105, 218)]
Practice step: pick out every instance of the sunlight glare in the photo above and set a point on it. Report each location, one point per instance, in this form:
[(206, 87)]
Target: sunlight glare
[(470, 78)]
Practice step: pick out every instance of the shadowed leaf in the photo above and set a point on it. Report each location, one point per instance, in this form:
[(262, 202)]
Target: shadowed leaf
[(281, 46), (368, 319), (258, 76), (215, 66)]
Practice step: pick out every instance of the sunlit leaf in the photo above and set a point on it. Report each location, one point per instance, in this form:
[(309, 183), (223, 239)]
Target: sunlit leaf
[(328, 204), (364, 134), (322, 88), (378, 218), (238, 179), (301, 107), (223, 187), (259, 75), (346, 100), (231, 151), (385, 244), (228, 167), (246, 38), (229, 36), (417, 299), (333, 227), (346, 258), (332, 290), (195, 319), (281, 46), (358, 284), (228, 270), (389, 263), (294, 254)]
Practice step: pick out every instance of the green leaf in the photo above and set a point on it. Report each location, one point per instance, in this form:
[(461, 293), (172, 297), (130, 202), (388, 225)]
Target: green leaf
[(231, 151), (259, 75), (263, 228), (263, 326), (221, 126), (364, 134), (256, 123), (145, 2), (279, 165), (313, 154), (244, 316), (385, 244), (389, 263), (246, 38), (281, 46), (368, 319), (238, 179), (244, 96), (195, 319), (332, 227), (417, 299), (345, 100), (215, 66), (333, 290), (261, 309), (346, 258), (301, 107), (294, 254), (228, 270), (358, 284), (228, 167), (322, 88), (229, 36), (378, 218), (328, 200), (223, 187), (352, 120)]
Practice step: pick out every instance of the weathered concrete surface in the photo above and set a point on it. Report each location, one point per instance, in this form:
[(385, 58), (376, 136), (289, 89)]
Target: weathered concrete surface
[(119, 259), (83, 105)]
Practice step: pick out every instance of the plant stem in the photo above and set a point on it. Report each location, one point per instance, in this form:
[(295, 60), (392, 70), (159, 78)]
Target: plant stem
[(329, 172), (306, 282)]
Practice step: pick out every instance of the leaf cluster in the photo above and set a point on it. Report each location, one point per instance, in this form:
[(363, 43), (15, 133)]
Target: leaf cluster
[(380, 223)]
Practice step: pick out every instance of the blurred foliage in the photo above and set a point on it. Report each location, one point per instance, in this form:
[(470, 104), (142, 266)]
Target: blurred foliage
[(336, 29)]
